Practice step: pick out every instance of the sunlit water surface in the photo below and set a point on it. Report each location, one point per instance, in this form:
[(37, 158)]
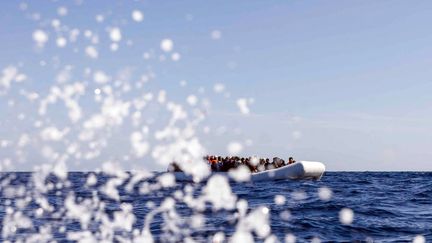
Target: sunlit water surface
[(390, 206)]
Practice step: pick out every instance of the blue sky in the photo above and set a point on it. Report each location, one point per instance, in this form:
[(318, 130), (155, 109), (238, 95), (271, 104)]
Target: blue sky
[(343, 82)]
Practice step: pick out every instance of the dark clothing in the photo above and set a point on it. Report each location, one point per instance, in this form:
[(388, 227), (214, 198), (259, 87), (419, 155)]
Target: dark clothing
[(173, 167)]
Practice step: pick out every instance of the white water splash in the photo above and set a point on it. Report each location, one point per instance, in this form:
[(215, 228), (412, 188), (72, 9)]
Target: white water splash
[(419, 239), (137, 16), (216, 34), (92, 52), (115, 34), (167, 45), (279, 200), (240, 174), (234, 148), (346, 216), (40, 37), (218, 192), (325, 193), (243, 106)]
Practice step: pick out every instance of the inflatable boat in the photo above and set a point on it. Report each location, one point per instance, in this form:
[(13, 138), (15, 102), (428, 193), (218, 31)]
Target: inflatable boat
[(297, 171)]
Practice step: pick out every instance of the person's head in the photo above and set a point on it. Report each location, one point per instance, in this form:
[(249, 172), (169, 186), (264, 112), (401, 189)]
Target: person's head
[(267, 160), (290, 159)]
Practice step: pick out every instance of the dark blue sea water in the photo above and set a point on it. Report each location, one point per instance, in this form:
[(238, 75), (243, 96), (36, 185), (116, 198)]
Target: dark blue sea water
[(388, 206)]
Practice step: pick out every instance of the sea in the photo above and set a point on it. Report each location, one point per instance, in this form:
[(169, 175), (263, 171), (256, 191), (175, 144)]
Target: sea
[(341, 207)]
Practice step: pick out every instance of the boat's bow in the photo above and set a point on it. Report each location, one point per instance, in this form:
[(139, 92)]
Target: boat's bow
[(313, 169)]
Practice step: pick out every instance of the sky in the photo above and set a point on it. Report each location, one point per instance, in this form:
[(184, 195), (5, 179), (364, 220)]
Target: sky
[(347, 83)]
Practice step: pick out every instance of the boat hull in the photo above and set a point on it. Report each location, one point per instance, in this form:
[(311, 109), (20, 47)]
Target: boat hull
[(297, 171)]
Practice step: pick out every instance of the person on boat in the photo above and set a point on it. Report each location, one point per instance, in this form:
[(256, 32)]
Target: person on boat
[(275, 162), (238, 163), (268, 165), (213, 163), (251, 168), (281, 162), (254, 169), (291, 160), (225, 166), (247, 161), (261, 165), (173, 167), (232, 164)]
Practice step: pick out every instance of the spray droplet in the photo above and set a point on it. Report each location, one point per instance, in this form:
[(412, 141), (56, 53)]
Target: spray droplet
[(346, 216), (167, 45), (40, 37), (137, 16)]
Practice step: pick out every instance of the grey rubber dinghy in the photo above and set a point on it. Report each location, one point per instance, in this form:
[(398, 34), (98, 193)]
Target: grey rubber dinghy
[(297, 171)]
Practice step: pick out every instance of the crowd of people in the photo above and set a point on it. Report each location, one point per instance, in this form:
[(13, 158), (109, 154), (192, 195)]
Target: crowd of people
[(255, 164)]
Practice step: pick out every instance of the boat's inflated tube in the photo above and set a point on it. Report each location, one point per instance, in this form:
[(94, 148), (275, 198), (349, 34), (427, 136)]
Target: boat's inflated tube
[(298, 170)]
